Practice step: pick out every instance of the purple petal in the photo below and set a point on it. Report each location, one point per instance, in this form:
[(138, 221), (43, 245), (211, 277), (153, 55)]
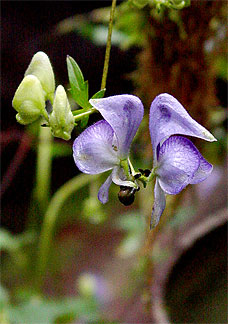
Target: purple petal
[(93, 151), (204, 170), (124, 113), (159, 205), (178, 161), (169, 117), (104, 190)]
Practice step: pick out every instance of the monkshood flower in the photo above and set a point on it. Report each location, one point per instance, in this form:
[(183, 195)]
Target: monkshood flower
[(177, 162), (106, 144)]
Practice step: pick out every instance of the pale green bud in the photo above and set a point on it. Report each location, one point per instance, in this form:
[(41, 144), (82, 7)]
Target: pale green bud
[(29, 100), (40, 66), (61, 119)]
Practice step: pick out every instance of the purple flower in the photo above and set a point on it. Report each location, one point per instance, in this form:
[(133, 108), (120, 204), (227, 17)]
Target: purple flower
[(177, 162), (106, 144)]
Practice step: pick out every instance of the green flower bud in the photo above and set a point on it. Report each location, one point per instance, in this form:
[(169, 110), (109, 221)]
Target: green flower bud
[(40, 66), (61, 119), (29, 100)]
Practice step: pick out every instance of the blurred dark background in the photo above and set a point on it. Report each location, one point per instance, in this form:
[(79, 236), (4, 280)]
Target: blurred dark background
[(28, 27)]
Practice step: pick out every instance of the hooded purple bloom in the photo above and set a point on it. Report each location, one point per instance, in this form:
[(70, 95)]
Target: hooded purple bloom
[(177, 162), (102, 146)]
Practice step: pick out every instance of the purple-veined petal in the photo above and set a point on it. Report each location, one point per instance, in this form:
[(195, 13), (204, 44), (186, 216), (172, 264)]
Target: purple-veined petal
[(178, 161), (124, 113), (119, 178), (204, 170), (93, 151), (168, 117), (104, 190), (159, 205)]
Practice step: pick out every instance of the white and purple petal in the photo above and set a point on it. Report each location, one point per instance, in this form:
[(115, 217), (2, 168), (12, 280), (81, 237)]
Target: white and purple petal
[(103, 192), (168, 117), (120, 179), (124, 113), (178, 162), (93, 150), (204, 170), (159, 205)]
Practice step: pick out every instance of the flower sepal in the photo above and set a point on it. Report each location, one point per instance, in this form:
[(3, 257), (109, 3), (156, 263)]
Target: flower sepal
[(29, 100), (40, 67)]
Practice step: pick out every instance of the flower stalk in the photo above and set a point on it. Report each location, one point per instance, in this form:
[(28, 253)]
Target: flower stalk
[(43, 169), (108, 46)]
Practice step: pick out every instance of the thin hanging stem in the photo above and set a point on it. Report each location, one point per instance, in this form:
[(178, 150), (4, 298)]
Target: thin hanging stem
[(50, 218), (108, 46)]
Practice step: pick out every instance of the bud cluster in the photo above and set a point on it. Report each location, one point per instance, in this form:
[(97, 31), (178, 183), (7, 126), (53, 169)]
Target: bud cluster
[(38, 87)]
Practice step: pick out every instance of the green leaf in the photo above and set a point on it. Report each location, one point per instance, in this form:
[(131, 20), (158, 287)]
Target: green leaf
[(99, 94), (79, 87), (75, 73)]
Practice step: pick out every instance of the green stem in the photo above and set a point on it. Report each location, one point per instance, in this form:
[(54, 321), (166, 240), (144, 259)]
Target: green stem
[(43, 170), (108, 46), (50, 217), (84, 113)]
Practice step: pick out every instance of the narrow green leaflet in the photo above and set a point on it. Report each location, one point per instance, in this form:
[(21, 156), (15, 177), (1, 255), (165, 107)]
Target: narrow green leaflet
[(99, 94), (79, 87)]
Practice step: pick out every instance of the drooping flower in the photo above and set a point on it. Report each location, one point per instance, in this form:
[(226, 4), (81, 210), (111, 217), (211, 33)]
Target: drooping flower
[(106, 144), (177, 162)]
